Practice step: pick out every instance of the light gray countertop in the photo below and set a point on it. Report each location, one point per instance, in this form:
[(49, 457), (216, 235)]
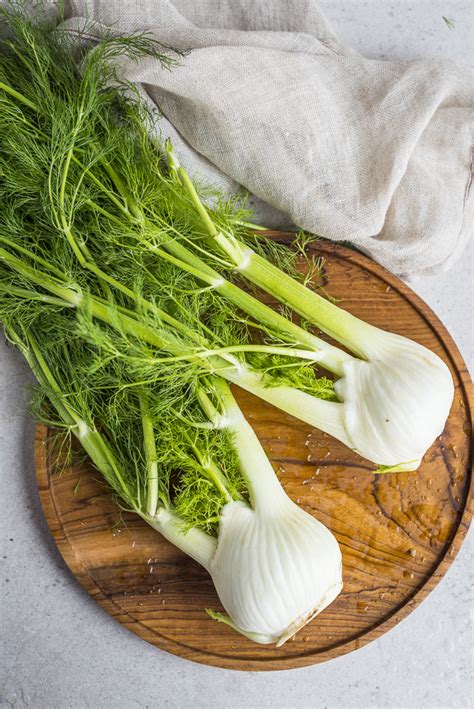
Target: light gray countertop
[(59, 649)]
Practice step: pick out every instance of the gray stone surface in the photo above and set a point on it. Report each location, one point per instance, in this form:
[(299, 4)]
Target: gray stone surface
[(59, 650)]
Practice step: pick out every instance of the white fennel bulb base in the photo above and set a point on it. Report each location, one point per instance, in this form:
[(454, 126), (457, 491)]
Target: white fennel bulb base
[(397, 402), (274, 571)]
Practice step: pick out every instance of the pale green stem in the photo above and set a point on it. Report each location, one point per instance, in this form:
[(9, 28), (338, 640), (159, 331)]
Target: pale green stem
[(214, 473), (101, 455), (176, 167), (252, 226), (227, 620), (117, 180), (10, 290), (195, 543), (45, 280), (265, 490), (146, 304), (334, 321), (62, 191), (65, 226), (264, 349), (202, 425), (208, 407), (17, 96), (328, 416), (149, 445), (33, 257), (283, 351), (105, 212)]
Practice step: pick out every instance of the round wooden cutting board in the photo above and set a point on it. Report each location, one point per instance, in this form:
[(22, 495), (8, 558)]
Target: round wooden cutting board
[(398, 532)]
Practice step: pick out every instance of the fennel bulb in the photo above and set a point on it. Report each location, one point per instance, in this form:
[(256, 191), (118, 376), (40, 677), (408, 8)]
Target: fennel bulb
[(396, 402), (275, 566), (274, 571)]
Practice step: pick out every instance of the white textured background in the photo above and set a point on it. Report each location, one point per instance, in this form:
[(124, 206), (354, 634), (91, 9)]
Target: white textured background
[(59, 650)]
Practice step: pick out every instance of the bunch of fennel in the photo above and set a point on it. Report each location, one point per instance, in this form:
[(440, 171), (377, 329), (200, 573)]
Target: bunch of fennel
[(95, 229)]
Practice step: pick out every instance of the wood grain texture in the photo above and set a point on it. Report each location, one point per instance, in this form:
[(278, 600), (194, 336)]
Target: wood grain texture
[(398, 533)]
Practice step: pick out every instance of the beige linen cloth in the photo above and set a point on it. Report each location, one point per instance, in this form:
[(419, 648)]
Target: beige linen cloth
[(371, 152)]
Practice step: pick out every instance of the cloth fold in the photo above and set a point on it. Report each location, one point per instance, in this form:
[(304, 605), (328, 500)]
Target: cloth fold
[(371, 152)]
